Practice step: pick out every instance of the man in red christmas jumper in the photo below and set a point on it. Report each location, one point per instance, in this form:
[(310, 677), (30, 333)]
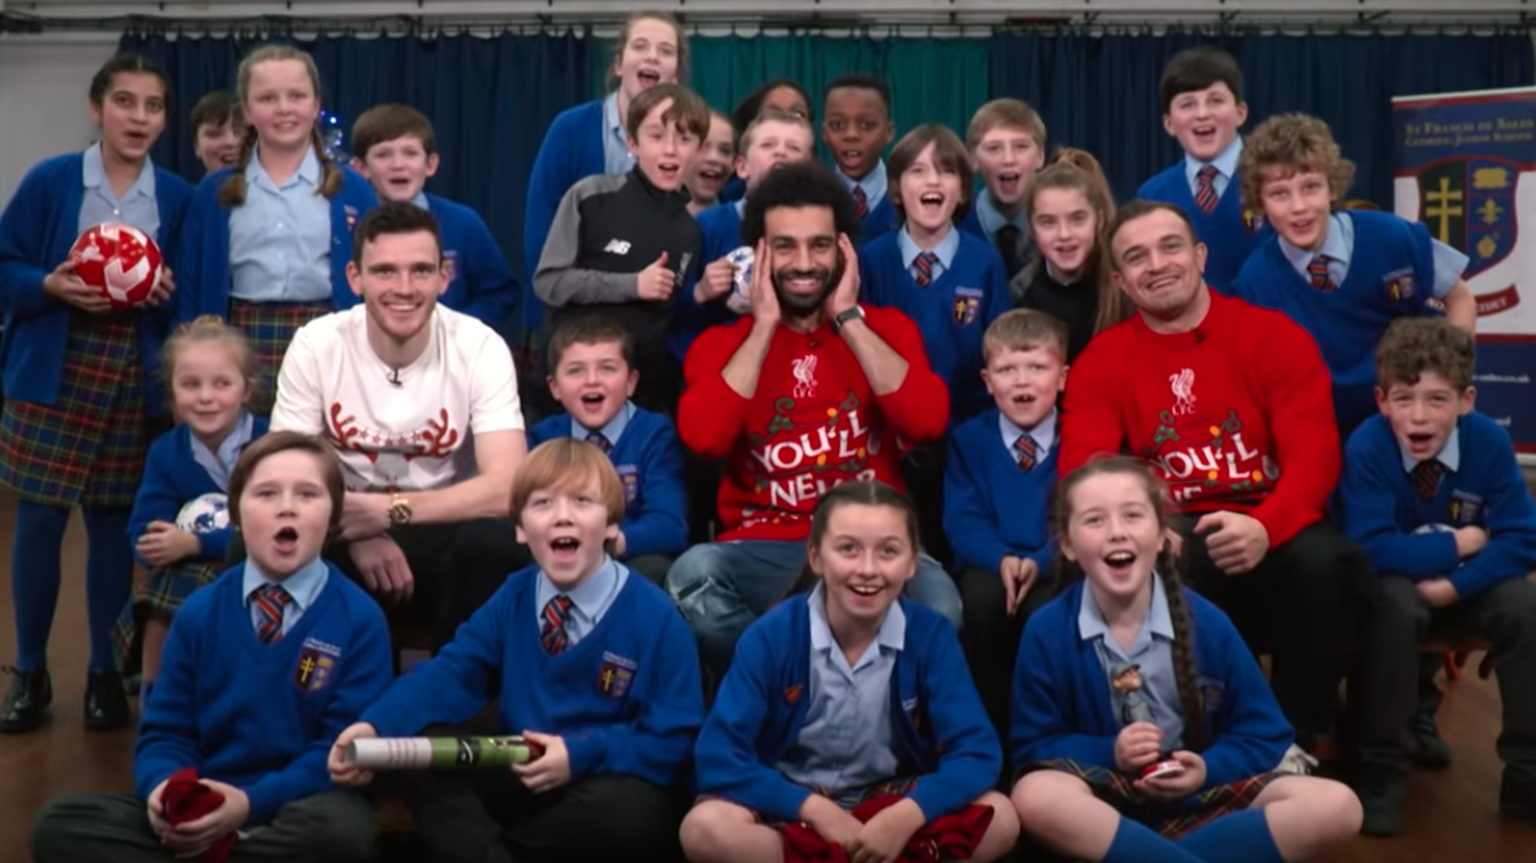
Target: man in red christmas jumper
[(1232, 406), (809, 391)]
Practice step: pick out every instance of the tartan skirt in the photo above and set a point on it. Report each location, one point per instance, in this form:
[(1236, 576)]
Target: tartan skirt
[(270, 327), (1170, 819), (162, 593), (88, 447), (849, 800)]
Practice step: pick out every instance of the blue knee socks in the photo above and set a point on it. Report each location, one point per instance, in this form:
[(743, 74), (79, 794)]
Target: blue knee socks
[(108, 578), (1137, 844), (35, 578), (1241, 837)]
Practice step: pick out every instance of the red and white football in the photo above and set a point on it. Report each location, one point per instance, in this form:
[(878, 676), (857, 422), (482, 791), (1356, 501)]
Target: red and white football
[(119, 260)]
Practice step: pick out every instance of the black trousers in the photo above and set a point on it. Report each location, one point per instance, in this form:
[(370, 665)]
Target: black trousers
[(331, 827), (1306, 604), (923, 472), (489, 816), (1504, 616), (991, 641)]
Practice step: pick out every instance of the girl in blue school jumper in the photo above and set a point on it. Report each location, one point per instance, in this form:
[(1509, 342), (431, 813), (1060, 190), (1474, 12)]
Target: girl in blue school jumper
[(844, 695), (590, 138), (212, 371), (1085, 728), (79, 380), (268, 242), (950, 283)]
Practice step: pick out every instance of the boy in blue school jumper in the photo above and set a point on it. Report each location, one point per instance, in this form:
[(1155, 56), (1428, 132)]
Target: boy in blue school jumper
[(1343, 275), (1143, 726), (950, 283), (1432, 492), (81, 381), (592, 376), (1203, 107), (1006, 140), (395, 147), (266, 254), (856, 129), (594, 666), (262, 670), (845, 695), (997, 486)]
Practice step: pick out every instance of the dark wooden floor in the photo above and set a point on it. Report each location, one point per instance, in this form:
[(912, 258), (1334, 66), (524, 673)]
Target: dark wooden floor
[(1453, 815)]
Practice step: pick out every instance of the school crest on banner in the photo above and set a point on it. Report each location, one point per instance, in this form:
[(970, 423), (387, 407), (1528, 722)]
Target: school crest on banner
[(1469, 204)]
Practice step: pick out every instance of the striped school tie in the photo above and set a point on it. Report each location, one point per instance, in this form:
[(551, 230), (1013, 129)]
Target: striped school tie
[(922, 269), (1205, 189), (1026, 451), (600, 440), (1007, 240), (270, 600), (1426, 478), (552, 634), (1317, 272), (860, 201)]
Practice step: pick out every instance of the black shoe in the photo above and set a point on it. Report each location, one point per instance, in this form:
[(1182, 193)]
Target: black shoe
[(1430, 751), (1517, 798), (1383, 793), (106, 701), (26, 702)]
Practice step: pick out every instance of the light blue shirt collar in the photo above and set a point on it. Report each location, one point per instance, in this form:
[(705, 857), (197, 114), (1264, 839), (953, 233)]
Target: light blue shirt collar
[(992, 221), (303, 586), (421, 201), (1338, 245), (1044, 432), (612, 431), (617, 159), (946, 248), (220, 464), (590, 596), (741, 207), (1091, 624), (93, 175), (874, 184), (1226, 162), (1449, 455), (891, 636), (308, 173)]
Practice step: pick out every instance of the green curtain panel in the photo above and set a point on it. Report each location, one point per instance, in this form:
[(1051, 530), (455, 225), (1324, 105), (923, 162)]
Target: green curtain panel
[(931, 80)]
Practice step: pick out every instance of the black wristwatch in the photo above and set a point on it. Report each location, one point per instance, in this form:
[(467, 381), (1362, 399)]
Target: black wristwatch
[(855, 313)]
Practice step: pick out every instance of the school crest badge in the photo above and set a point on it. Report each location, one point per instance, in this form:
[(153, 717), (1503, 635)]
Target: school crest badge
[(1400, 284), (967, 304), (615, 675), (1466, 508), (1253, 220), (351, 214), (629, 476), (316, 665), (450, 265), (1469, 204)]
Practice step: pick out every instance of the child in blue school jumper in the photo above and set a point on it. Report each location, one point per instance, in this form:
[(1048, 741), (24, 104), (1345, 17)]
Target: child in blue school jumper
[(1006, 140), (80, 380), (395, 147), (592, 665), (1203, 107), (212, 371), (950, 283), (592, 375), (998, 478), (262, 670), (1143, 726), (267, 242), (781, 95), (1343, 275), (1432, 492), (856, 130), (842, 695), (591, 139)]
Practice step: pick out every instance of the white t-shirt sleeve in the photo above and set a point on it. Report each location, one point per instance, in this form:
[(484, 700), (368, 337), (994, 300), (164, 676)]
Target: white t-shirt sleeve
[(299, 404), (494, 404)]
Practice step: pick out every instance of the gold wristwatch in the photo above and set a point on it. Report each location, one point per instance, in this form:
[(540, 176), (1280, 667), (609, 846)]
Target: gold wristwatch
[(399, 511)]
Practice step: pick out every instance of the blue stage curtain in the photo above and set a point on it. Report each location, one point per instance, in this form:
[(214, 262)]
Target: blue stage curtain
[(1100, 92), (489, 99)]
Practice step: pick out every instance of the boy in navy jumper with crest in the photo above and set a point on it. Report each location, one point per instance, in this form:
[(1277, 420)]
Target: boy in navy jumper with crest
[(856, 130), (396, 150), (1343, 275), (997, 484), (851, 698), (1432, 492), (594, 666), (1006, 139), (592, 375), (262, 670), (1203, 107)]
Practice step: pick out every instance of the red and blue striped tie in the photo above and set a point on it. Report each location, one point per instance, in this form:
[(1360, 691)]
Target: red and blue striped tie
[(860, 201), (1426, 478), (270, 600), (1205, 189), (1317, 271), (923, 269), (552, 634), (1027, 451)]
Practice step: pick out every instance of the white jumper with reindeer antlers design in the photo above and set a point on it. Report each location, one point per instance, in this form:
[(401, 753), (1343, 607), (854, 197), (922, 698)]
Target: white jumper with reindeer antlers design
[(405, 430)]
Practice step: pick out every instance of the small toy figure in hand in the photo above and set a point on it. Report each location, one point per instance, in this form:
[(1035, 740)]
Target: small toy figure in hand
[(1126, 680)]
